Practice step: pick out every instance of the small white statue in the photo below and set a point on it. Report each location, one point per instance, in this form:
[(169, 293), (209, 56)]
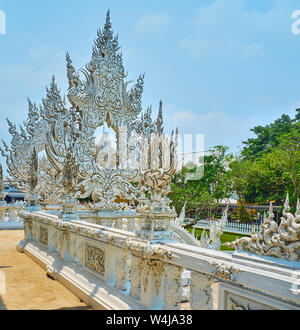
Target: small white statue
[(213, 241)]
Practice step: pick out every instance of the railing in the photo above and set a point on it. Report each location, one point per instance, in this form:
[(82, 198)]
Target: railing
[(9, 218), (237, 228), (113, 269), (188, 221)]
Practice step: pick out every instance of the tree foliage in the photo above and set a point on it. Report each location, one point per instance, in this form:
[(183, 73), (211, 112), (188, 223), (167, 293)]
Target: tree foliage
[(266, 169), (203, 192), (269, 166)]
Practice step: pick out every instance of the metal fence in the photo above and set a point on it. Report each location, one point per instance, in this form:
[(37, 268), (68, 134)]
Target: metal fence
[(237, 228)]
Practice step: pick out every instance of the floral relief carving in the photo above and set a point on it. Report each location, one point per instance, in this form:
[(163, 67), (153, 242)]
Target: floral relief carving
[(234, 305), (146, 250), (44, 235), (95, 258), (224, 271)]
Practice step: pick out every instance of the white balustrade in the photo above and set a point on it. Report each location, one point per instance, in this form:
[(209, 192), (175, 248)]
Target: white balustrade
[(149, 276)]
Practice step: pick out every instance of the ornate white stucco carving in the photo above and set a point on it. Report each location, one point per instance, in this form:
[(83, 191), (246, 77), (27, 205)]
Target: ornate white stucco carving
[(100, 97), (19, 154), (95, 258), (237, 306), (224, 271), (145, 250), (281, 241), (98, 94)]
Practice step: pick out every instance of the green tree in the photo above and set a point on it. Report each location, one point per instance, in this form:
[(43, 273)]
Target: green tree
[(287, 156), (244, 215), (214, 179), (239, 176), (268, 166), (203, 192), (267, 137)]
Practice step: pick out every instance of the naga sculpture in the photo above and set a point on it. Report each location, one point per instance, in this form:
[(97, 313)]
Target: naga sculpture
[(281, 241), (215, 232)]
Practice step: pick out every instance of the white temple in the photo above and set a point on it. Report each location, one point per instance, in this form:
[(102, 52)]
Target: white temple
[(126, 248)]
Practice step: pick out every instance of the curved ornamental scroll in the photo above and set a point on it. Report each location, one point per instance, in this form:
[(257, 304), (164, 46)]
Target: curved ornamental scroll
[(281, 241)]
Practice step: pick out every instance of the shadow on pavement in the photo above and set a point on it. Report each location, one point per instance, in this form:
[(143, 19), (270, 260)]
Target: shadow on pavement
[(2, 306)]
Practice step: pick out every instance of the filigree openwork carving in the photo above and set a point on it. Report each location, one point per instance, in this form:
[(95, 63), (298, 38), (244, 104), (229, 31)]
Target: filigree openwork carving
[(24, 143), (101, 97), (75, 168)]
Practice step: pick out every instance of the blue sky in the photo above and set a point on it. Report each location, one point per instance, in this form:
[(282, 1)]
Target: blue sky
[(221, 67)]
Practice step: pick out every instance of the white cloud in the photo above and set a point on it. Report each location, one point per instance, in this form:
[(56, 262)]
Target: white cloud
[(226, 29), (152, 23), (218, 127), (184, 117)]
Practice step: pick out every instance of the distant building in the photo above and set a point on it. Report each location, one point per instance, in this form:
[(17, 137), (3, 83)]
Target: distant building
[(12, 194), (105, 152)]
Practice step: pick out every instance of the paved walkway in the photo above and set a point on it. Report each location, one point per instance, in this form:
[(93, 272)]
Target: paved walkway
[(24, 284)]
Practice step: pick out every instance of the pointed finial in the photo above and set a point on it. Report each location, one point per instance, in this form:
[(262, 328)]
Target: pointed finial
[(160, 120), (108, 17), (271, 214), (286, 203), (53, 84), (107, 26), (298, 208), (68, 58)]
